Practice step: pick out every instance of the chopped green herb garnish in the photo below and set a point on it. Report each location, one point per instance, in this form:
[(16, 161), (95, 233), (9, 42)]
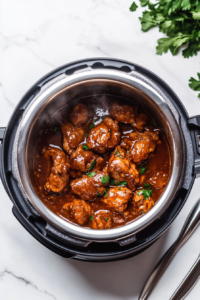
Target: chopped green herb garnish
[(91, 217), (112, 182), (106, 219), (127, 151), (118, 183), (92, 165), (105, 179), (109, 130), (106, 192), (119, 189), (85, 147), (142, 212), (55, 129), (142, 170), (91, 174), (146, 193), (120, 156), (123, 183), (87, 133), (117, 152), (96, 119), (91, 126), (147, 185)]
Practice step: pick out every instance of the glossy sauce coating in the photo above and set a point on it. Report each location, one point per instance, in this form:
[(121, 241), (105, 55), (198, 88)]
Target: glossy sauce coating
[(134, 154)]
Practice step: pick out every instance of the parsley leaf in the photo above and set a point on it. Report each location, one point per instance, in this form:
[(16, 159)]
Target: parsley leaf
[(133, 7), (142, 170), (112, 182), (180, 21), (91, 217), (85, 147), (147, 185), (146, 193), (118, 183), (105, 179), (91, 126), (92, 165), (87, 133), (106, 192), (106, 219), (123, 183), (117, 152), (91, 174), (195, 84)]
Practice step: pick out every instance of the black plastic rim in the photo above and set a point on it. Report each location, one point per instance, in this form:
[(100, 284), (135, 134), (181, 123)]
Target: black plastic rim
[(36, 225)]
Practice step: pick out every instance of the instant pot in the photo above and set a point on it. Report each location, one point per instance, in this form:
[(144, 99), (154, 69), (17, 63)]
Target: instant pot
[(45, 103)]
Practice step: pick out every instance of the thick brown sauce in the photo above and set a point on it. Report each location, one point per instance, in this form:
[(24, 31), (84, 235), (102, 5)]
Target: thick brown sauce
[(158, 161)]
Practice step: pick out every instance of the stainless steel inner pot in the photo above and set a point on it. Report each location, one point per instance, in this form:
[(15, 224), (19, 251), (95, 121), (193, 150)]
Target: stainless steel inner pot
[(52, 101)]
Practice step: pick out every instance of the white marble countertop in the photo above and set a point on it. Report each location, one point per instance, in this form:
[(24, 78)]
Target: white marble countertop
[(36, 37)]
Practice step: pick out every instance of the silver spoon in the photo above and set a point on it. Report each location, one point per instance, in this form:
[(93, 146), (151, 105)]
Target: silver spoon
[(192, 222)]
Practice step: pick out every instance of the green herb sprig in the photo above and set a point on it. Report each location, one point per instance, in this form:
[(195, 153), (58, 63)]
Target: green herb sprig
[(180, 21)]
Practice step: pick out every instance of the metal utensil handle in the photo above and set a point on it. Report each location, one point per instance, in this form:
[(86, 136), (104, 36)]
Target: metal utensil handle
[(189, 227), (188, 282)]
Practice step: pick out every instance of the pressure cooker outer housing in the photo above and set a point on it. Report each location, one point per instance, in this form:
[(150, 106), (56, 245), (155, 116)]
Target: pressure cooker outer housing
[(101, 249)]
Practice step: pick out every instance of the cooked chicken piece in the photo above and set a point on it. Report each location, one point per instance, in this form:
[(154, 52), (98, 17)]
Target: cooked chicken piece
[(104, 136), (102, 220), (123, 113), (79, 115), (59, 176), (84, 160), (140, 121), (117, 198), (79, 209), (122, 169), (140, 145), (128, 115), (159, 179), (72, 136), (88, 188), (119, 219), (143, 205)]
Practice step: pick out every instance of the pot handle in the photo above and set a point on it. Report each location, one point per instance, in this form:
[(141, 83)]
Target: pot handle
[(194, 125), (2, 132)]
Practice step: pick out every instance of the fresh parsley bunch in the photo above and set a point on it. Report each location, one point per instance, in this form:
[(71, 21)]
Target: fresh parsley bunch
[(180, 21)]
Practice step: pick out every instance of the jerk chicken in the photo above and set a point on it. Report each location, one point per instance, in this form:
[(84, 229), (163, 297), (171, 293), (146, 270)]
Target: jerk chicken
[(59, 175), (104, 136), (104, 171)]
